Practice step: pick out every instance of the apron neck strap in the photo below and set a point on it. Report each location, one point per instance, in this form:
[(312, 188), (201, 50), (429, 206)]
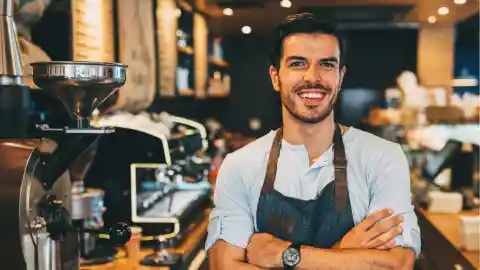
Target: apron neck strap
[(339, 163)]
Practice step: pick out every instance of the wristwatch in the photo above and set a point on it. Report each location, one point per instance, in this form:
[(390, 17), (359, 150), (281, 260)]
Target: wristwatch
[(291, 257)]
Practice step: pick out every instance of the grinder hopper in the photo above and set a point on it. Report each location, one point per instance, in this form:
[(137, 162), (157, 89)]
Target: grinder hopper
[(80, 86)]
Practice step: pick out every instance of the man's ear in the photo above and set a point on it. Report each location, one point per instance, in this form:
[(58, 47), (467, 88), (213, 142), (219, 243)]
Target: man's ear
[(343, 70), (274, 77)]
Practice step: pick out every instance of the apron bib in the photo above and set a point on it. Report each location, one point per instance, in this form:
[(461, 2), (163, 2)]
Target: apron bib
[(320, 222)]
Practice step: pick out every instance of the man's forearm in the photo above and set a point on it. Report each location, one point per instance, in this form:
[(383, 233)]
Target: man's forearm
[(224, 256), (243, 266), (319, 259), (232, 265)]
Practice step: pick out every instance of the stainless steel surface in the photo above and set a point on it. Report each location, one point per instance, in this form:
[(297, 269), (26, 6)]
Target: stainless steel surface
[(80, 86), (6, 8), (86, 130), (173, 206), (88, 209), (88, 206), (102, 130), (24, 231), (10, 61), (10, 80), (78, 186), (47, 256)]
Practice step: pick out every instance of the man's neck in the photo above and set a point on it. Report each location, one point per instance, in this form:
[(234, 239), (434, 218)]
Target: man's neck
[(315, 137)]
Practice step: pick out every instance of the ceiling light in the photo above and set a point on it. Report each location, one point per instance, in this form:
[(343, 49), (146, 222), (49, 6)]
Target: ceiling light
[(432, 19), (178, 12), (246, 30), (227, 11), (460, 2), (285, 3), (443, 11)]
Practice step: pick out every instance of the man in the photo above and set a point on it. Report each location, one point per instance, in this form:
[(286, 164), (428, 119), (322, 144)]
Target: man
[(290, 199)]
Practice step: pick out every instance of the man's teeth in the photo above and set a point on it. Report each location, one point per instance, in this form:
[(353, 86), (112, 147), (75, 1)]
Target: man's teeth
[(311, 95)]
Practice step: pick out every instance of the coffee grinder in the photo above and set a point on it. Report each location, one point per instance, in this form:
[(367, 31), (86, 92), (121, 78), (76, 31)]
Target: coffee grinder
[(36, 170), (35, 195)]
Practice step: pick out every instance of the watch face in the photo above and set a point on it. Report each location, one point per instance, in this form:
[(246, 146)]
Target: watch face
[(291, 257)]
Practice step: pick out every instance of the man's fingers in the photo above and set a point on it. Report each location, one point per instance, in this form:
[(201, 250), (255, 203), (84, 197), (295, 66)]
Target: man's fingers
[(386, 237), (390, 244), (384, 226), (374, 218)]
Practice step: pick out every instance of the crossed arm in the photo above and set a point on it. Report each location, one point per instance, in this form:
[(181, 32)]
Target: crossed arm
[(225, 256), (397, 258), (265, 251)]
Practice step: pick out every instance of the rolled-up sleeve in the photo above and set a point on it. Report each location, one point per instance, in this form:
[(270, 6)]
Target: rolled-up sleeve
[(230, 219), (391, 189)]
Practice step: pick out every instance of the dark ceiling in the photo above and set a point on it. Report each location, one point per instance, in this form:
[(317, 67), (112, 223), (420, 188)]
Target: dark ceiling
[(264, 15), (468, 31)]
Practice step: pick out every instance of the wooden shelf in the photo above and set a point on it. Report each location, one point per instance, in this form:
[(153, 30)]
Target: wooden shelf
[(185, 49), (219, 95), (217, 62), (184, 5), (186, 93)]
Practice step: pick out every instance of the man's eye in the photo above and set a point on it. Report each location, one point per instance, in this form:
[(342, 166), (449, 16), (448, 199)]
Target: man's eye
[(297, 64), (327, 65)]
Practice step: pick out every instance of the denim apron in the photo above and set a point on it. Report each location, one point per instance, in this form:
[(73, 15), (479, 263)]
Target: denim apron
[(320, 222)]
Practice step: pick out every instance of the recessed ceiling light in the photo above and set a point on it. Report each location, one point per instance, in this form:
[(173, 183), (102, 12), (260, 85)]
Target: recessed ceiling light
[(286, 3), (460, 2), (246, 30), (227, 11), (443, 11), (432, 19)]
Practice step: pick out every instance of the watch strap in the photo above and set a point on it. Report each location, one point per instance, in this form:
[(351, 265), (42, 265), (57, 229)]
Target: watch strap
[(295, 246)]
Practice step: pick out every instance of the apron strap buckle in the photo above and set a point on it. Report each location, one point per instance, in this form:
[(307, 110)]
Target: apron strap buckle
[(340, 163)]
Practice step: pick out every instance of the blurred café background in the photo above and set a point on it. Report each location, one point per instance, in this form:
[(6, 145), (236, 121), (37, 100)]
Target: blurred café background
[(197, 88)]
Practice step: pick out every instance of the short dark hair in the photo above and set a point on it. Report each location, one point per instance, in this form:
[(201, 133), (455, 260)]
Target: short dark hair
[(303, 23)]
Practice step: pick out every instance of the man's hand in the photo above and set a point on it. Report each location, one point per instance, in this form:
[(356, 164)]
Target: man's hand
[(369, 234), (266, 251)]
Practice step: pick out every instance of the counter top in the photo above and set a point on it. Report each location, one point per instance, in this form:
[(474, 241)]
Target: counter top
[(189, 245), (449, 226)]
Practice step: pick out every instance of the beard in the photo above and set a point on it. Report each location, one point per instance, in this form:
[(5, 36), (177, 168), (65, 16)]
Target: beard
[(311, 115)]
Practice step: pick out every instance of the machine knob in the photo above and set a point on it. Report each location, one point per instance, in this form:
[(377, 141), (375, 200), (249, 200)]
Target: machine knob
[(119, 234), (59, 224), (56, 218)]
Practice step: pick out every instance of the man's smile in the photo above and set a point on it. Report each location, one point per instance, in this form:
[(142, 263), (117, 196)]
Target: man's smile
[(312, 97)]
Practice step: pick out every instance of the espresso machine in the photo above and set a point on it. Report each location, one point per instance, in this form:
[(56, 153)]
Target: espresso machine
[(36, 190)]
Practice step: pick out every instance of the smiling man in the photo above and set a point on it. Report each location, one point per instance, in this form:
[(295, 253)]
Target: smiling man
[(313, 194)]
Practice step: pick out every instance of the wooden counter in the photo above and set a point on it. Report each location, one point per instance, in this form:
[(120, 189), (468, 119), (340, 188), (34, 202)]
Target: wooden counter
[(441, 237), (191, 243)]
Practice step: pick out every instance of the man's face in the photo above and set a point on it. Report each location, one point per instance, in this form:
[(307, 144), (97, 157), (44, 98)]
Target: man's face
[(309, 77)]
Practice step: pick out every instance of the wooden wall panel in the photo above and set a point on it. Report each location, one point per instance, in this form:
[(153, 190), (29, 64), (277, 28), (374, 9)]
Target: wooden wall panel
[(200, 34), (167, 25), (137, 50), (92, 30), (436, 55)]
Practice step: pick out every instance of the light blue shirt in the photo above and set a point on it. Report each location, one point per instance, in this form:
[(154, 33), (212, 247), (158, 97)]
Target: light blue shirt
[(378, 177)]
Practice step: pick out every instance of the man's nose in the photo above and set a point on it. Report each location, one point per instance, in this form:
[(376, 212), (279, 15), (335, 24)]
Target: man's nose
[(312, 74)]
